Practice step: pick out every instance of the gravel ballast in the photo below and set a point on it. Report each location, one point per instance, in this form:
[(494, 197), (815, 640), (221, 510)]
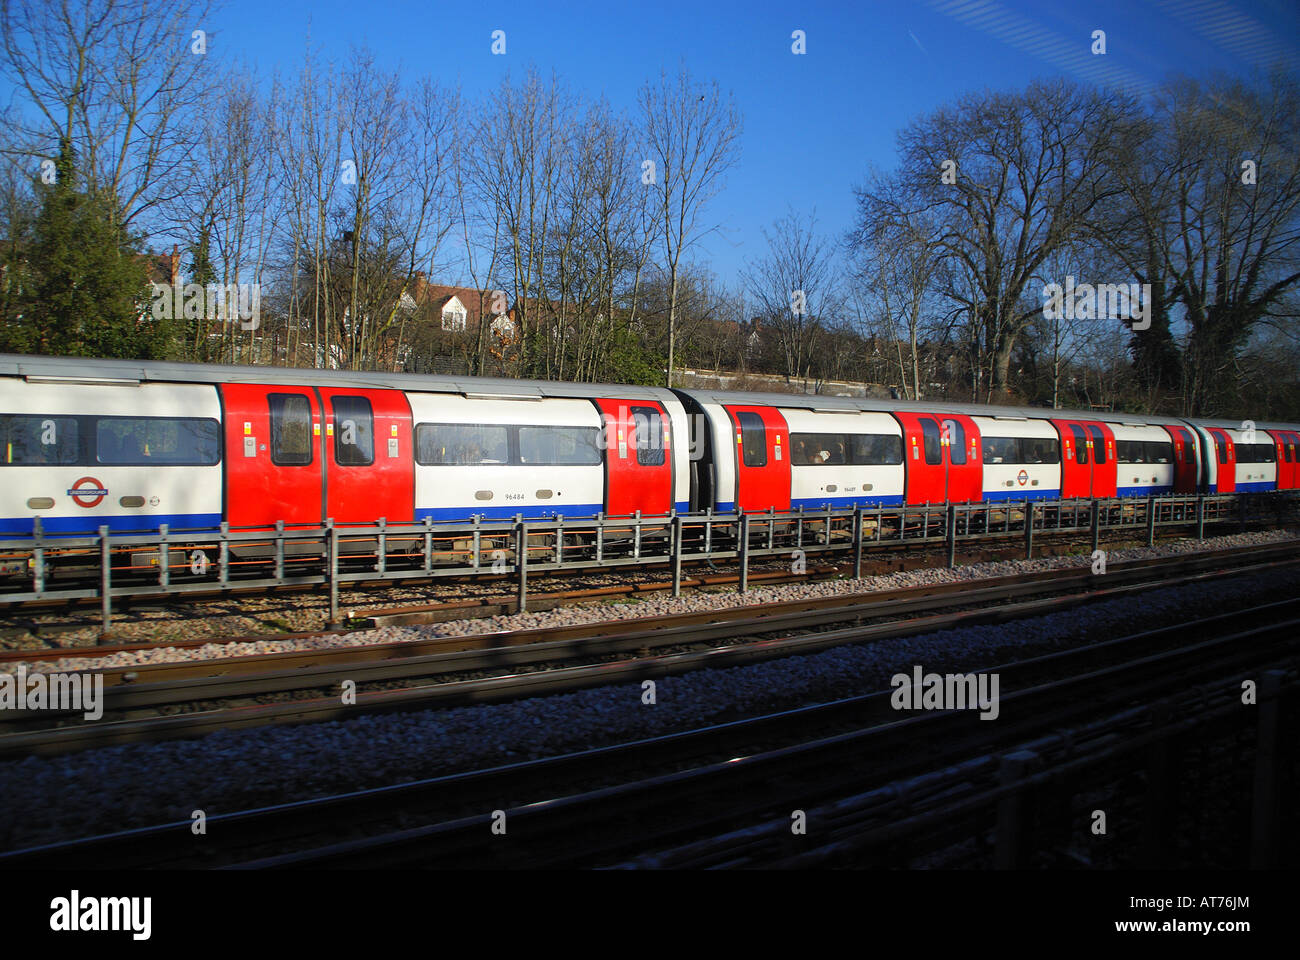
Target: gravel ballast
[(652, 605)]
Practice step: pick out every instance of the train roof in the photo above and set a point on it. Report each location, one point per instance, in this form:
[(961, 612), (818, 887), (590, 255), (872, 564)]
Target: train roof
[(1222, 424), (817, 402), (148, 371), (73, 369)]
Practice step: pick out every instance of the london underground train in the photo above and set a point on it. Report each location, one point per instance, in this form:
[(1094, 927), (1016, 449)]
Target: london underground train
[(133, 445)]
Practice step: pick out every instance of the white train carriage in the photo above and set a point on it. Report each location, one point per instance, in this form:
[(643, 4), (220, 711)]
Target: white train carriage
[(81, 454), (844, 459), (1144, 457), (1022, 458), (495, 458), (558, 450), (1256, 466), (1236, 460)]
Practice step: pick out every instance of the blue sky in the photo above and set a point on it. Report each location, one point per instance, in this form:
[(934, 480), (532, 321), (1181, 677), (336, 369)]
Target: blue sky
[(815, 123)]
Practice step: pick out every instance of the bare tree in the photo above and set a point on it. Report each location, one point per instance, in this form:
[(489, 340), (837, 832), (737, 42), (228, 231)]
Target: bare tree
[(793, 287), (1008, 177), (1216, 187), (692, 136), (121, 83), (897, 257), (516, 160)]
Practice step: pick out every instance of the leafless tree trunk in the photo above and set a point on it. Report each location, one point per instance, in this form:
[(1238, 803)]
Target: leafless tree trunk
[(692, 136), (118, 81), (794, 288)]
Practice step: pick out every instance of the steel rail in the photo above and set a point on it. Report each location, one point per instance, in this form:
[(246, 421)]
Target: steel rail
[(68, 738)]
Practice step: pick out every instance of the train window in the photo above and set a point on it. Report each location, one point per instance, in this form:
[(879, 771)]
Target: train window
[(561, 446), (1221, 447), (151, 441), (1098, 444), (1255, 453), (1287, 450), (1159, 451), (1028, 450), (835, 449), (38, 440), (1130, 451), (930, 437), (956, 442), (1080, 445), (1001, 450), (1040, 450), (753, 439), (875, 449), (354, 432), (810, 449), (461, 444), (649, 429), (290, 429)]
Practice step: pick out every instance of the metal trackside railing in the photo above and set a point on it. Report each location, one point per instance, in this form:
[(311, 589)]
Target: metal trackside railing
[(119, 565)]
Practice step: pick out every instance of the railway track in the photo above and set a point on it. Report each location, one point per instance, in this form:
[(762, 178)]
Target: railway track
[(717, 795), (225, 693), (881, 557), (362, 617)]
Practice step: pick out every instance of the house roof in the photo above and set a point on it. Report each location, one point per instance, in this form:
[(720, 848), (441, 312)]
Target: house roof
[(438, 295)]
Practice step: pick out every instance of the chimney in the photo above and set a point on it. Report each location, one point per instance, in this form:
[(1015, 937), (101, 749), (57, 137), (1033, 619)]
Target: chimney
[(418, 285), (175, 265)]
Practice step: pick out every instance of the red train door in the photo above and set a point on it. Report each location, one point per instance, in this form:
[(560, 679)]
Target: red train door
[(367, 447), (942, 457), (1184, 459), (961, 447), (1285, 464), (762, 458), (1088, 466), (638, 458), (1225, 455), (274, 459), (1105, 471)]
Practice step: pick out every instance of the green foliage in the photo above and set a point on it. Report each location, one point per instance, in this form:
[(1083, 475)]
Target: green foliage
[(629, 360), (87, 293)]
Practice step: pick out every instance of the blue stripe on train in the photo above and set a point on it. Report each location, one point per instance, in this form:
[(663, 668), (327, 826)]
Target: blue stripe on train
[(529, 511), (1150, 490), (128, 523), (1257, 486), (820, 503), (1022, 495)]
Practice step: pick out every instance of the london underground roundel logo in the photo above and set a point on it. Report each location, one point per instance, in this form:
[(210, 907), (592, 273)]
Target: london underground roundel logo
[(87, 492), (1023, 477)]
